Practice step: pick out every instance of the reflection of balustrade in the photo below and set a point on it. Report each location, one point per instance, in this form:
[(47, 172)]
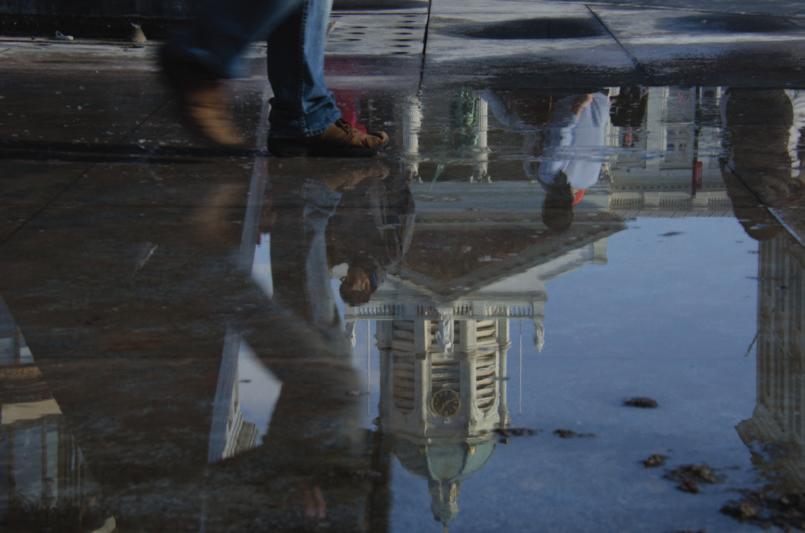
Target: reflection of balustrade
[(671, 202), (464, 310)]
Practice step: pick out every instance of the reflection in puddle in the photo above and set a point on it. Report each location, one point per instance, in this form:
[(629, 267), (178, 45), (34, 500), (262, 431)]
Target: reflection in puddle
[(245, 398), (774, 433), (44, 481), (232, 387)]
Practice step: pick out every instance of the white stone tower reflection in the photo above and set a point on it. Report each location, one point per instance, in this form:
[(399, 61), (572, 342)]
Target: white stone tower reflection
[(778, 421), (441, 399), (443, 349)]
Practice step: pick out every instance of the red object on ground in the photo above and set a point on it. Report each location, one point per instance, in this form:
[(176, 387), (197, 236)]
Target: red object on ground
[(579, 196), (348, 102)]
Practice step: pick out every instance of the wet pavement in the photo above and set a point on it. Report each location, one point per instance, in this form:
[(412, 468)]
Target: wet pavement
[(568, 297)]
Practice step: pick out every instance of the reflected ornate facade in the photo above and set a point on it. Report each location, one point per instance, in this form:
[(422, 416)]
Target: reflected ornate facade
[(779, 416), (444, 355), (443, 322), (441, 399), (664, 159), (669, 163), (42, 471)]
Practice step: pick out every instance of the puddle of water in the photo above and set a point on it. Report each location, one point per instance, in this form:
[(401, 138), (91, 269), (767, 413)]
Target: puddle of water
[(446, 337), (538, 28)]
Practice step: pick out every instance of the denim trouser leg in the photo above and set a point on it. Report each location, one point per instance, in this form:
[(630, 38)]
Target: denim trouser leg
[(222, 31), (320, 204), (299, 262), (302, 104)]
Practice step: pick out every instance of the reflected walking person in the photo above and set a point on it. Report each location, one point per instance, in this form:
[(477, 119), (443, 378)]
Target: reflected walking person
[(570, 164), (304, 118), (568, 133), (357, 219)]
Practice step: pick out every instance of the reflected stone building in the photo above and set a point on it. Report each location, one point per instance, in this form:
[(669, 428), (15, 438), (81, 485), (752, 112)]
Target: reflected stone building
[(442, 394), (779, 416), (443, 336), (42, 471), (480, 258), (670, 164), (230, 433), (665, 161)]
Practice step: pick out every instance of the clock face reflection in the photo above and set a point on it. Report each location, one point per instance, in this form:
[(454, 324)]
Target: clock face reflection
[(445, 402)]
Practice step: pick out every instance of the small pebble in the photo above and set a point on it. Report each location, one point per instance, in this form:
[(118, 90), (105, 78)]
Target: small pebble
[(642, 402), (654, 460), (515, 432), (740, 510), (570, 434)]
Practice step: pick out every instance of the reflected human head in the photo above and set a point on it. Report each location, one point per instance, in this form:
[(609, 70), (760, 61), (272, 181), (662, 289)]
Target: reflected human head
[(357, 286), (557, 208)]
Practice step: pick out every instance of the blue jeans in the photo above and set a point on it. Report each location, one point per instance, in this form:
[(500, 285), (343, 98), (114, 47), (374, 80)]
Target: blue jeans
[(296, 31), (299, 260)]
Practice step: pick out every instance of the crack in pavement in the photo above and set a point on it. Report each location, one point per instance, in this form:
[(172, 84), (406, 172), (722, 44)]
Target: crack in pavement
[(637, 65)]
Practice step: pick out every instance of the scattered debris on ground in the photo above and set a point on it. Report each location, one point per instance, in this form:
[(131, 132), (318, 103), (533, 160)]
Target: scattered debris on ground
[(137, 34), (688, 485), (741, 510), (691, 476), (642, 402), (505, 433), (654, 460), (570, 434), (767, 508), (516, 432)]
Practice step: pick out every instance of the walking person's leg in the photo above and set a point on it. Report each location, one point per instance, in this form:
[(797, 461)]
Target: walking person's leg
[(302, 104), (221, 32), (305, 119), (198, 59)]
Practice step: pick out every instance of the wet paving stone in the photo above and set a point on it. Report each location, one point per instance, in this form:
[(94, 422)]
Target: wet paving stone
[(196, 339)]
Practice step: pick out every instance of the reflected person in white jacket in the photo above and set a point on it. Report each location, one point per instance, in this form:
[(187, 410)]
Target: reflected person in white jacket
[(572, 155), (563, 144)]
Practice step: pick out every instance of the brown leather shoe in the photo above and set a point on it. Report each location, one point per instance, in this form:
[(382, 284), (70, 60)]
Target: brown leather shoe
[(203, 101), (339, 140)]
